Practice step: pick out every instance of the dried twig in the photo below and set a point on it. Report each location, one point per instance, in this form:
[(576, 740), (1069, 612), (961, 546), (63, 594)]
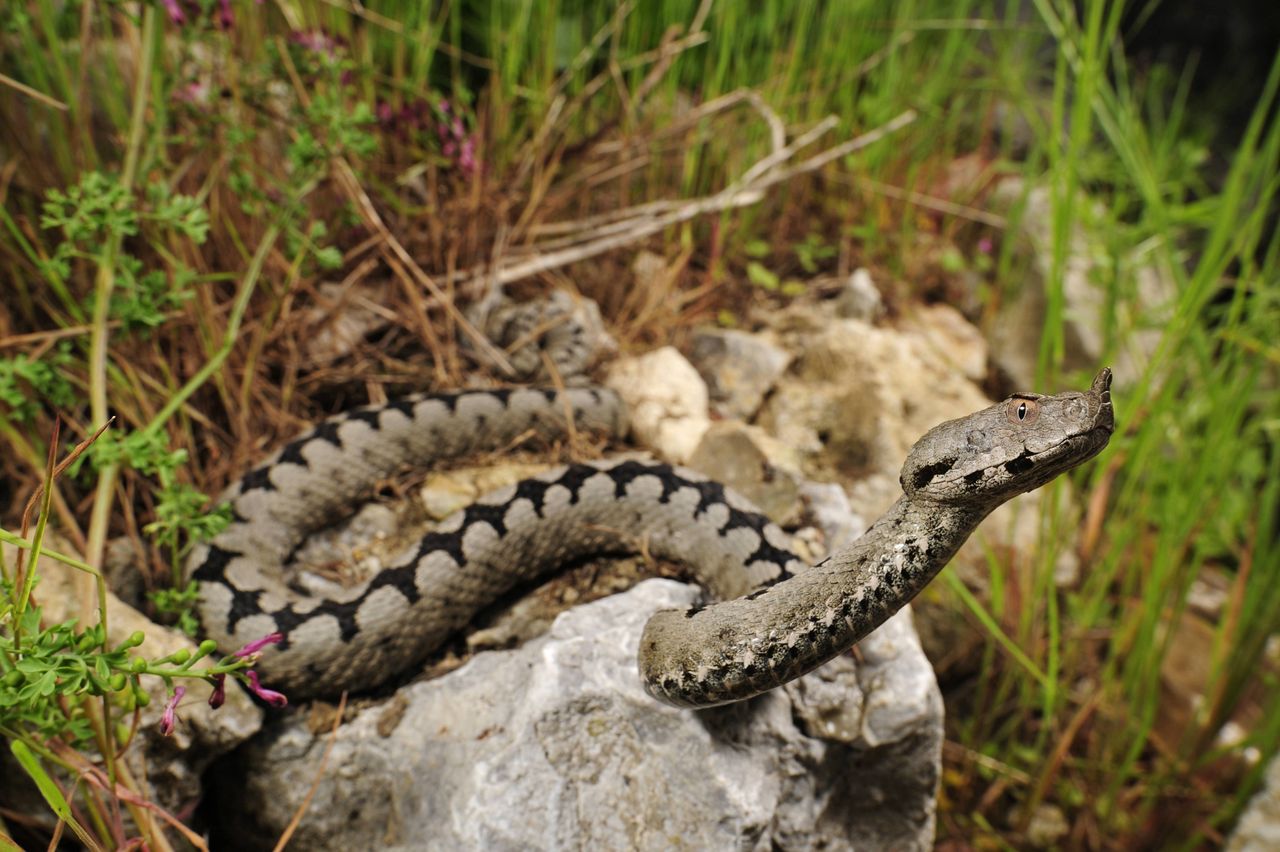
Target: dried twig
[(598, 235)]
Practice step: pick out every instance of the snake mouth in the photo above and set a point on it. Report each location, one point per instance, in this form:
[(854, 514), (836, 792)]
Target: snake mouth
[(1079, 446)]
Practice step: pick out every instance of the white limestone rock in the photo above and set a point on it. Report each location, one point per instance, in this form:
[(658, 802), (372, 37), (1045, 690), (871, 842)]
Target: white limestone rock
[(666, 400), (555, 745)]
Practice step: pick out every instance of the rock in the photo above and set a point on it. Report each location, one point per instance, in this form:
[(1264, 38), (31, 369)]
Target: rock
[(859, 299), (171, 766), (740, 368), (1047, 827), (446, 492), (120, 563), (952, 339), (755, 465), (829, 508), (1259, 827), (666, 399), (555, 745), (1091, 316), (866, 394)]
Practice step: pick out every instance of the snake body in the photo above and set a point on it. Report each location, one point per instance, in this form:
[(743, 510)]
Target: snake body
[(776, 620)]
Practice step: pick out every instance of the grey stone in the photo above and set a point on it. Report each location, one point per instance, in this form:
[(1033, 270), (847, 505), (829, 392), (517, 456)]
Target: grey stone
[(1047, 827), (740, 368), (1087, 307), (1259, 827), (830, 509), (755, 465), (858, 298), (555, 745)]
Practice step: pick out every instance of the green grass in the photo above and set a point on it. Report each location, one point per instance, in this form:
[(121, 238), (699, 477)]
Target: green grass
[(167, 292)]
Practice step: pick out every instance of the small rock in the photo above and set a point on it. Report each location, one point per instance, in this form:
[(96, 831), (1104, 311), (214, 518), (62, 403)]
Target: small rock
[(446, 492), (830, 509), (1259, 827), (666, 399), (953, 339), (1209, 592), (740, 368), (755, 465), (859, 298), (1047, 827), (121, 563)]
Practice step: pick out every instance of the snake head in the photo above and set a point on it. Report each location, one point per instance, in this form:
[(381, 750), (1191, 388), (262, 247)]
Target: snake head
[(1013, 446)]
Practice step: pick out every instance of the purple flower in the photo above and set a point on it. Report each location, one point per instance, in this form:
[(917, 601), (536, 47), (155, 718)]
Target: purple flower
[(275, 699), (195, 92), (316, 41), (467, 156), (176, 15), (225, 17), (170, 710), (219, 695), (455, 142), (258, 644), (985, 245)]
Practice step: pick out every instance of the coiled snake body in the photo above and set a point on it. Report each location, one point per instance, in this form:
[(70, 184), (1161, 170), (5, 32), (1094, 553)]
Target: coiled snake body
[(776, 620)]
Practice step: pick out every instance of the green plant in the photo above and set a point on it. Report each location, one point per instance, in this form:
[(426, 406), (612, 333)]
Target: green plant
[(66, 692)]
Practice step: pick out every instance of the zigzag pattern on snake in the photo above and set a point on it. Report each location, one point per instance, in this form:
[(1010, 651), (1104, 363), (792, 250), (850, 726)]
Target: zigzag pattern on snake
[(776, 620)]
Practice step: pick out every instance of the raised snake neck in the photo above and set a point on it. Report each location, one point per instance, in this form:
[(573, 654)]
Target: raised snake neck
[(777, 619)]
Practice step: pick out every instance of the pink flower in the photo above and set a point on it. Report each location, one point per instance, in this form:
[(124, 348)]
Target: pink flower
[(219, 695), (275, 699), (467, 156), (195, 92), (258, 644), (170, 710), (985, 245), (317, 41), (176, 15)]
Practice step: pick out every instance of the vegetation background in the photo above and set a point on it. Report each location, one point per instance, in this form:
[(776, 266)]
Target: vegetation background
[(177, 179)]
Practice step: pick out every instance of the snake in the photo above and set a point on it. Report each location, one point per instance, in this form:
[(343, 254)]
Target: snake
[(773, 618)]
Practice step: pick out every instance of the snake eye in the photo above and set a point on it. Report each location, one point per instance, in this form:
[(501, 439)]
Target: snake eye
[(1022, 410)]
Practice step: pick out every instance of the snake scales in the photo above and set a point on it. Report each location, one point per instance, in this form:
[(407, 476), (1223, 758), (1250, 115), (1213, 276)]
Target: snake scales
[(777, 619)]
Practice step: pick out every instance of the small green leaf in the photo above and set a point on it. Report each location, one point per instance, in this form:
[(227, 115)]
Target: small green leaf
[(329, 257), (761, 276), (952, 260), (756, 248)]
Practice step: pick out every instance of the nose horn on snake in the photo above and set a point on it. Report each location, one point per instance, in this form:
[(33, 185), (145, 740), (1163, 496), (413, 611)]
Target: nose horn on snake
[(1101, 390)]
